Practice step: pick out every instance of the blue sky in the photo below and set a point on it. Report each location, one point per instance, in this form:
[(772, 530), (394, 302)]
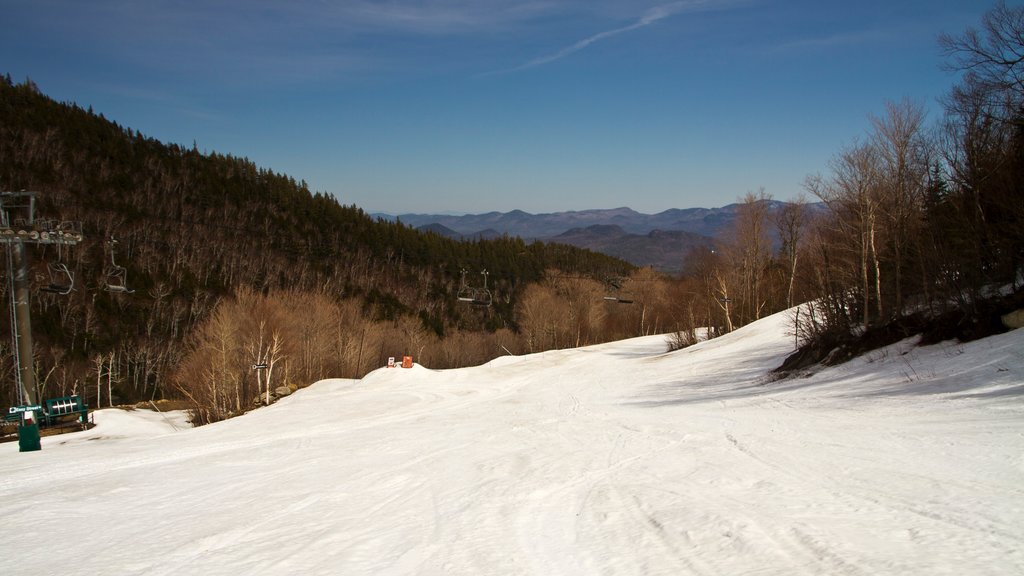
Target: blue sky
[(478, 105)]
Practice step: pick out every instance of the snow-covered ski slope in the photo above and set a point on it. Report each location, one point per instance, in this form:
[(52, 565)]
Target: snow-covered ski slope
[(612, 459)]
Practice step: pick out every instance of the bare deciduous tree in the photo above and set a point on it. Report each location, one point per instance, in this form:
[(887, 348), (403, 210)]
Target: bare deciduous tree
[(853, 198), (752, 250), (992, 60), (904, 156), (790, 222)]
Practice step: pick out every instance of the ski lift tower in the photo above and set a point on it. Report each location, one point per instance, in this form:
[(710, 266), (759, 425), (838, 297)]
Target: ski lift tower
[(18, 228)]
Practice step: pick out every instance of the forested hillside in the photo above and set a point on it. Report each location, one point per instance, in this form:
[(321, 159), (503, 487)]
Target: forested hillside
[(194, 228)]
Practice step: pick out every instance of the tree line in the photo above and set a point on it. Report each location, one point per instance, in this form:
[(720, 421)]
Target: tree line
[(922, 226), (925, 220)]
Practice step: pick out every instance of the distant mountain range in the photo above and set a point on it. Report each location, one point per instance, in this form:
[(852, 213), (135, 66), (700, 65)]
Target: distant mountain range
[(703, 221), (664, 250), (660, 240)]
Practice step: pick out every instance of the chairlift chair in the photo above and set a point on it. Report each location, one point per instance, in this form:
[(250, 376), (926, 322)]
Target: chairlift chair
[(117, 276), (116, 280), (618, 299), (482, 297), (465, 293), (625, 299), (614, 285), (61, 280), (477, 296)]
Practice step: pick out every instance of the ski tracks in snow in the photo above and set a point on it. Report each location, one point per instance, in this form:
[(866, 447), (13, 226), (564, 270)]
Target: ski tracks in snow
[(610, 460)]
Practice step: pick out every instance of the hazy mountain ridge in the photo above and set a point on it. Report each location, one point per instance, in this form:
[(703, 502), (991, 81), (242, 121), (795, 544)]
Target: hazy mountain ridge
[(703, 221), (660, 240), (662, 249)]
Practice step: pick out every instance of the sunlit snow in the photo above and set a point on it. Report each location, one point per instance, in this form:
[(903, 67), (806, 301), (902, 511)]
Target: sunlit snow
[(612, 459)]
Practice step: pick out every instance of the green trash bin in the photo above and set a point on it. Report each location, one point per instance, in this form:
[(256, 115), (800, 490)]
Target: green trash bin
[(28, 432), (28, 438)]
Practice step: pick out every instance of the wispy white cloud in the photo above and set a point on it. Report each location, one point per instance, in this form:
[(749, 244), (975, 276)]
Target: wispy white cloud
[(651, 16), (275, 42), (431, 16)]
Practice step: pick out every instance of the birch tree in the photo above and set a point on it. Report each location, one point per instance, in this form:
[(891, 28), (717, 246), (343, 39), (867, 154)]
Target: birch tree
[(790, 222), (852, 196), (903, 157)]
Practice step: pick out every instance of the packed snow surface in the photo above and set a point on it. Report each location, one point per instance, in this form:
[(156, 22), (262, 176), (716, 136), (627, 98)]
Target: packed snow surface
[(612, 459)]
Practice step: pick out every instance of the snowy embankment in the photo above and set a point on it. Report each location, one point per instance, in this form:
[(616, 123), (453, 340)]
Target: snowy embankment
[(612, 459)]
